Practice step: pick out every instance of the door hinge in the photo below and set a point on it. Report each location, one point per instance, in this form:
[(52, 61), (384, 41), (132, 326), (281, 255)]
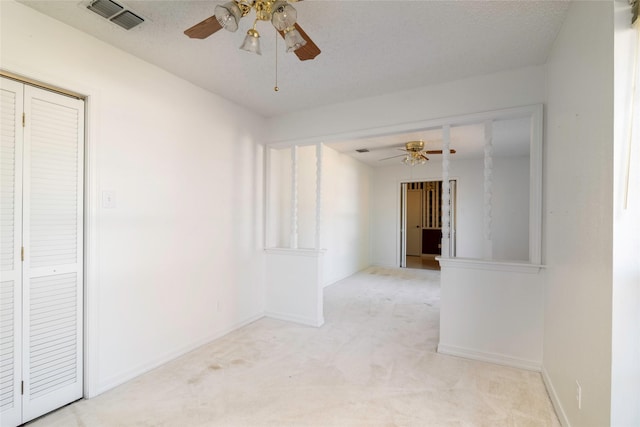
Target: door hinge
[(24, 119), (21, 387), (22, 253)]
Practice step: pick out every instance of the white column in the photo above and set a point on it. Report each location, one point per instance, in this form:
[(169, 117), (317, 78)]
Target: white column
[(446, 194), (318, 193), (294, 198), (488, 188)]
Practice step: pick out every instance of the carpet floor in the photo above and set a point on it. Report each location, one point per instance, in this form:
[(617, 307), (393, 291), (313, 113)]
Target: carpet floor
[(373, 363)]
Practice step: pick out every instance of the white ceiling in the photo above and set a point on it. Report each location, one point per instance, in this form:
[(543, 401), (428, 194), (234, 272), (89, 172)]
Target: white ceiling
[(368, 47)]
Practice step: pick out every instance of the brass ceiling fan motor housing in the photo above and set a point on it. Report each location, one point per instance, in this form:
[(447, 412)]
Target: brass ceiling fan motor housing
[(414, 146)]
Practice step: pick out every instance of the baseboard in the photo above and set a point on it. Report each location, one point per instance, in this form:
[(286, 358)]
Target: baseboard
[(334, 280), (562, 416), (142, 369), (498, 359), (307, 321)]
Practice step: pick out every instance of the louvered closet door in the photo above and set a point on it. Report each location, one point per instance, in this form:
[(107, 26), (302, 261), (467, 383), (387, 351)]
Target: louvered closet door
[(52, 233), (11, 137)]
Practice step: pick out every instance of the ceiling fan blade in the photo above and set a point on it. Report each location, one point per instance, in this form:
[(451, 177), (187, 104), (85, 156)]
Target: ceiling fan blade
[(204, 29), (438, 151), (392, 157), (309, 50), (423, 156)]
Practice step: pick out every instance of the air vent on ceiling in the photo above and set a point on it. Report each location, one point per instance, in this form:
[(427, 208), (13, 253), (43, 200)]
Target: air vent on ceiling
[(105, 8), (362, 150), (127, 20), (115, 13)]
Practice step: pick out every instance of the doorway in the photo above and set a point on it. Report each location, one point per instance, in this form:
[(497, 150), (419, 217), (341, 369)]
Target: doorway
[(421, 223)]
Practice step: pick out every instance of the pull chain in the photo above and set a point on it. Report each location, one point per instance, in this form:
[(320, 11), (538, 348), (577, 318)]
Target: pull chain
[(276, 88)]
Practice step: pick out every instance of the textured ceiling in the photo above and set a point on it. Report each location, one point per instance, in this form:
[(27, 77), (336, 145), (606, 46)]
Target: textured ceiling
[(368, 47)]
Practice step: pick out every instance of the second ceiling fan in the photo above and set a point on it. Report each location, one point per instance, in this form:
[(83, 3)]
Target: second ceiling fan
[(415, 153), (281, 14)]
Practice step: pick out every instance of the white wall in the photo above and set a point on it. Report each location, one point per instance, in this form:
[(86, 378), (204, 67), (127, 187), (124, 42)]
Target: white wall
[(386, 206), (625, 352), (346, 210), (307, 196), (510, 207), (178, 261), (492, 313), (279, 199), (578, 214), (513, 88), (294, 286), (469, 207)]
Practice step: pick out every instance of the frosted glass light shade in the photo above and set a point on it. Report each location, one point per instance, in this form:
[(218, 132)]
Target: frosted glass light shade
[(228, 15), (252, 42), (283, 16), (412, 160), (294, 40)]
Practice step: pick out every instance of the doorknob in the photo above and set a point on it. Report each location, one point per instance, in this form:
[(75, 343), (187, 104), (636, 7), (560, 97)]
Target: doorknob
[(417, 226)]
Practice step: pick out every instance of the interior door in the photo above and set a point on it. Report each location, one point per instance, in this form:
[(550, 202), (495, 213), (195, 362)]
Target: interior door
[(11, 136), (53, 261), (41, 225), (414, 222)]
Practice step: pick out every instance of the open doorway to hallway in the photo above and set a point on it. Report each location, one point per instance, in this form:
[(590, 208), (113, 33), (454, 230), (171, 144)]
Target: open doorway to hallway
[(421, 223)]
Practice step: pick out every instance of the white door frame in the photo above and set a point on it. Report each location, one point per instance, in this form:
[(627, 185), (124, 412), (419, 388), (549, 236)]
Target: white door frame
[(401, 241), (403, 225)]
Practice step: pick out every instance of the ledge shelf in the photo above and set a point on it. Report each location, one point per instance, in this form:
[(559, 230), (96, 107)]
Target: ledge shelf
[(479, 264)]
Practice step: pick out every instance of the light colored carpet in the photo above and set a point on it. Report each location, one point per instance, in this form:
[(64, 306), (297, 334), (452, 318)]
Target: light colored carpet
[(372, 364)]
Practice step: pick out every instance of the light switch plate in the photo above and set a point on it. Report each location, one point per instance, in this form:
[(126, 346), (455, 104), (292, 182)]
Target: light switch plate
[(108, 199)]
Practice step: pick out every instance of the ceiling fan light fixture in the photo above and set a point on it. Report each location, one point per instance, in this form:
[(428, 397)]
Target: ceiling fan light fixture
[(412, 159), (228, 15), (283, 15), (252, 42), (293, 40), (280, 13)]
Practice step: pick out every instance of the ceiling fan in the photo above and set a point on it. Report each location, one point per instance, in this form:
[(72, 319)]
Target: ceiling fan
[(415, 153), (281, 14)]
